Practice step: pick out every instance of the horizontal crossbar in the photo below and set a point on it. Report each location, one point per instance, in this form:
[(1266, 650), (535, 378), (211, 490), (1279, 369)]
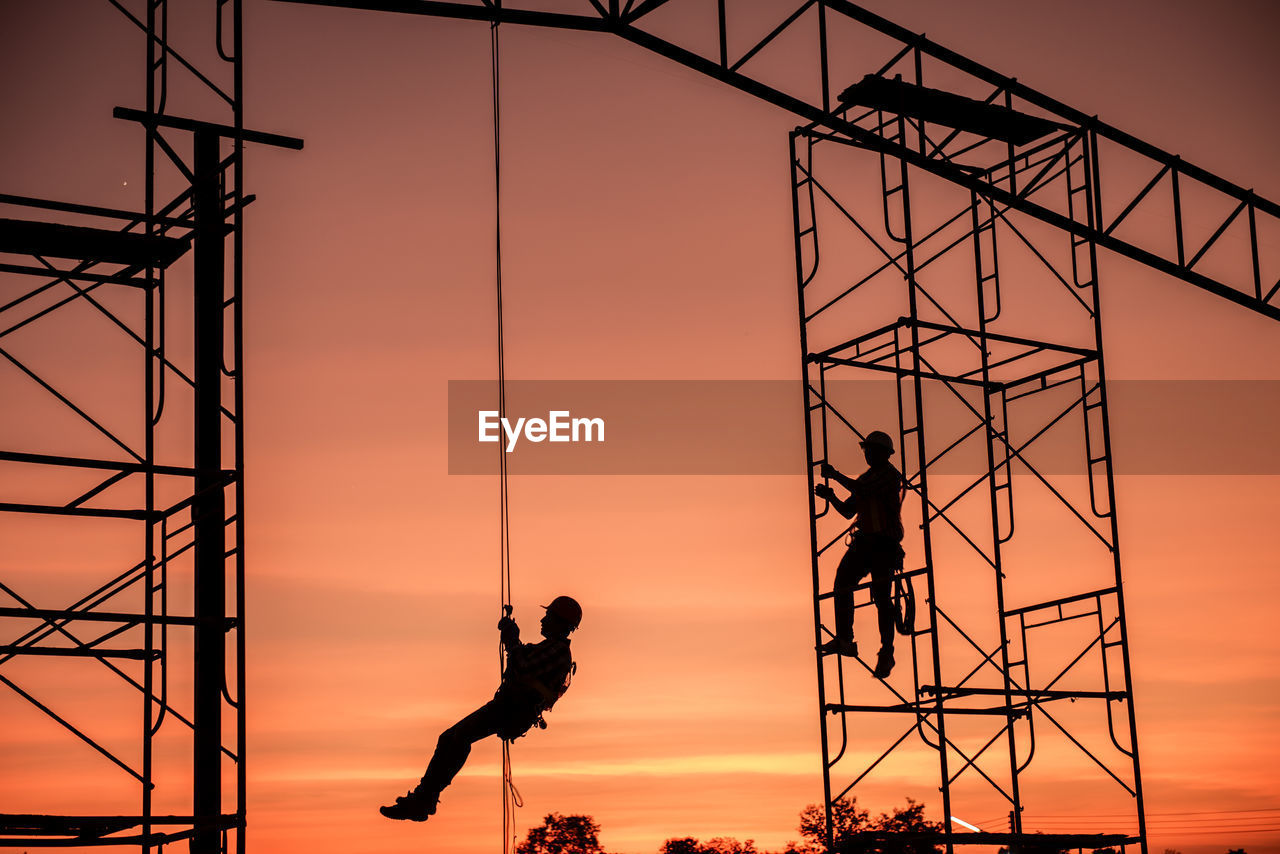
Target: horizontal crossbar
[(78, 652), (925, 709), (104, 617), (108, 465), (61, 510), (31, 237), (1031, 694), (1014, 841), (177, 123), (61, 831)]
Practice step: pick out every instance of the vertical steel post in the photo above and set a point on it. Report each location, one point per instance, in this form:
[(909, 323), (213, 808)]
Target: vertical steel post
[(208, 507), (796, 183), (1093, 206), (994, 437), (236, 192), (917, 391), (155, 61)]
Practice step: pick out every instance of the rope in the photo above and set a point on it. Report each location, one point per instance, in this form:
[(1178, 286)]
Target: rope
[(511, 799), (503, 495)]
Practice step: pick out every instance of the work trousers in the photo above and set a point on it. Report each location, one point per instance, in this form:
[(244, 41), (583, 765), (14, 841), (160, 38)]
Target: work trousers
[(880, 557), (508, 714)]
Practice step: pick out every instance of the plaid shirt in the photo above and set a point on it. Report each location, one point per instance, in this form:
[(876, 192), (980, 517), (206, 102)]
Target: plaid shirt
[(542, 666)]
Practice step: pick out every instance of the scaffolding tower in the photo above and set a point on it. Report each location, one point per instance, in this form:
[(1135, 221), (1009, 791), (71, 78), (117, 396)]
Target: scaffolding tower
[(947, 245), (106, 311), (999, 407)]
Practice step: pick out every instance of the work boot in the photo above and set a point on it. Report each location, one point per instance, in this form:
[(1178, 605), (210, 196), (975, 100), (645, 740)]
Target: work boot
[(840, 646), (884, 662), (416, 805)]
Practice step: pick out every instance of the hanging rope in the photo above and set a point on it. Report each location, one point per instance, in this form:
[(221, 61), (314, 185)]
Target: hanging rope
[(503, 496), (511, 799)]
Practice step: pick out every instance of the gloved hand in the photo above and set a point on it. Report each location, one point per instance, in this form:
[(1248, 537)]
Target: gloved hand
[(510, 631), (829, 470), (824, 492)]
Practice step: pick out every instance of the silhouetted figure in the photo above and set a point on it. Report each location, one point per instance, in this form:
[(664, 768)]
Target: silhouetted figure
[(534, 678), (875, 504)]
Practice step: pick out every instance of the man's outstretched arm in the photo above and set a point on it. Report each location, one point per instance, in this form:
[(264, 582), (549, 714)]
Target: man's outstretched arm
[(844, 507), (830, 471)]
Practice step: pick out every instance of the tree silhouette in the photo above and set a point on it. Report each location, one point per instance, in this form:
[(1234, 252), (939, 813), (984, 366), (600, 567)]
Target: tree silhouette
[(729, 845), (718, 845), (563, 834), (910, 819), (847, 820), (1030, 844), (579, 834)]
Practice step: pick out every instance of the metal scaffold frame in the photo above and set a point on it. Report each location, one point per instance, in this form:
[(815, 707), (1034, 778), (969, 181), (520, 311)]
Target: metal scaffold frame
[(967, 346), (167, 281)]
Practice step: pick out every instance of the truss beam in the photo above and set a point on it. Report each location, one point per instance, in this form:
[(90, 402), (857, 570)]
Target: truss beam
[(992, 178)]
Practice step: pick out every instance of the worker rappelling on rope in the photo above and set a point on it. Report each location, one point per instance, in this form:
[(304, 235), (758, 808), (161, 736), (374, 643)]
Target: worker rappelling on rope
[(535, 676), (875, 505)]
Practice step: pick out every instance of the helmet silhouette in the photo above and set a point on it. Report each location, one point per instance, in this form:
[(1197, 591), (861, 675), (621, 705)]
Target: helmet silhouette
[(567, 609), (878, 439)]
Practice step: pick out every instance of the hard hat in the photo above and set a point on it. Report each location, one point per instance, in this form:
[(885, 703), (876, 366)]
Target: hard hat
[(879, 439), (567, 609)]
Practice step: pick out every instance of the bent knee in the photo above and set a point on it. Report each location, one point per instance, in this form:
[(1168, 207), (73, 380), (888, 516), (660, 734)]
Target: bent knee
[(452, 736)]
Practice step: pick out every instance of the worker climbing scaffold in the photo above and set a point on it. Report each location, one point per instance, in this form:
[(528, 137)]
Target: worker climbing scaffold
[(875, 505), (536, 675)]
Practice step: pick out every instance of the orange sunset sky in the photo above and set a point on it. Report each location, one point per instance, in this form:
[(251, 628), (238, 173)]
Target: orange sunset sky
[(647, 235)]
